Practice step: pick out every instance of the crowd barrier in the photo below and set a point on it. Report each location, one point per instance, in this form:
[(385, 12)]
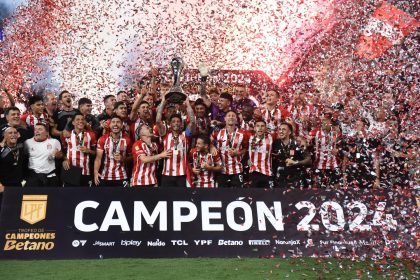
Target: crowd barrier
[(78, 223)]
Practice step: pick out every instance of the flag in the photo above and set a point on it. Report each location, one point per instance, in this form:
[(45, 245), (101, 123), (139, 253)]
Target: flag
[(386, 27)]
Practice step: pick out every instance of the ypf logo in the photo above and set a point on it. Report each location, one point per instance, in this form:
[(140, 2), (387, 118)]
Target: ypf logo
[(34, 208)]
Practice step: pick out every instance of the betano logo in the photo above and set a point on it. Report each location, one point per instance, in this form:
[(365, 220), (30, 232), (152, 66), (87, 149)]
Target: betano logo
[(34, 208)]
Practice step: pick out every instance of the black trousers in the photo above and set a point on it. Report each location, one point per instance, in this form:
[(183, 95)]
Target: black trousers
[(259, 180), (85, 181), (173, 181), (230, 181), (296, 179), (143, 186), (113, 183), (41, 180), (325, 178)]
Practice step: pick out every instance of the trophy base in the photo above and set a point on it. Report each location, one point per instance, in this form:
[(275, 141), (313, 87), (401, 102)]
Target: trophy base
[(175, 97)]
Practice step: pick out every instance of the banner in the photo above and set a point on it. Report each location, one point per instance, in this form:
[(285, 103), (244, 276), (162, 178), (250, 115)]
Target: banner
[(77, 223)]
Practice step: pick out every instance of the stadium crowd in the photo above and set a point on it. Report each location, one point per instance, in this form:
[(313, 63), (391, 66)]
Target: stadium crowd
[(219, 137)]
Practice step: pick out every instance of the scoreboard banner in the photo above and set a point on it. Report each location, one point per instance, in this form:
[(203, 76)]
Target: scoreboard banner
[(77, 223)]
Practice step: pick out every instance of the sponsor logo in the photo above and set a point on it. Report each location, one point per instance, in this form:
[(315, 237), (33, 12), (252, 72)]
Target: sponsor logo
[(179, 243), (104, 243), (287, 242), (77, 243), (203, 242), (34, 208), (259, 242), (135, 243), (309, 243), (222, 242), (29, 241), (156, 243)]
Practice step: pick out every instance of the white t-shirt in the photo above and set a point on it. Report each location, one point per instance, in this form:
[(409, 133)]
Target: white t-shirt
[(41, 154)]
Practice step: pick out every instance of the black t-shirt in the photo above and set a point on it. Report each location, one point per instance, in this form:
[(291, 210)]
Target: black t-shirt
[(360, 152), (281, 152), (11, 165), (3, 120), (103, 116), (394, 168), (63, 119)]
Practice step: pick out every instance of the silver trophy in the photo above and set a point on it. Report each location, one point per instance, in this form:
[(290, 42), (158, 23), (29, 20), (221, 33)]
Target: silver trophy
[(176, 94), (204, 72)]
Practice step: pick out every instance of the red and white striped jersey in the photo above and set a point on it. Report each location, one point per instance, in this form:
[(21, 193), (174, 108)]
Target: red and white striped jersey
[(324, 143), (298, 112), (248, 125), (111, 169), (274, 118), (31, 120), (205, 179), (260, 154), (226, 141), (175, 165), (73, 144), (143, 173)]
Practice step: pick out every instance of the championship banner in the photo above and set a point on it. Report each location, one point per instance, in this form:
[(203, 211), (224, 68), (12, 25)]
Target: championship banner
[(77, 223)]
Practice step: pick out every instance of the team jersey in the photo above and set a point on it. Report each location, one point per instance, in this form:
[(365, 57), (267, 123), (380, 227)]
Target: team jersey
[(143, 173), (205, 179), (31, 120), (225, 141), (111, 169), (73, 143), (248, 125), (259, 152), (274, 118), (323, 144), (298, 112), (176, 165)]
